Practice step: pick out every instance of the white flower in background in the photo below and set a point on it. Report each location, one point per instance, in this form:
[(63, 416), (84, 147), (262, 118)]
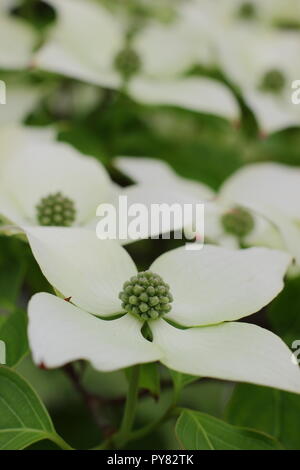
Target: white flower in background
[(21, 100), (143, 171), (232, 225), (213, 15), (17, 40), (263, 63), (89, 43), (166, 52), (272, 190), (206, 291), (146, 171), (44, 182), (284, 13), (227, 222), (83, 43)]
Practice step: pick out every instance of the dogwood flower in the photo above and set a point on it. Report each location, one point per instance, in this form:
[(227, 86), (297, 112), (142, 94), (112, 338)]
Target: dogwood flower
[(227, 222), (44, 182), (17, 40), (213, 16), (268, 12), (263, 64), (272, 190), (91, 44), (109, 303), (233, 225)]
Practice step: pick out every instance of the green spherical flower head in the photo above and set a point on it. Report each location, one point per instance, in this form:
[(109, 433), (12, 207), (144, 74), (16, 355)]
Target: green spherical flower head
[(56, 210), (247, 11), (238, 221), (273, 81), (146, 296), (127, 62)]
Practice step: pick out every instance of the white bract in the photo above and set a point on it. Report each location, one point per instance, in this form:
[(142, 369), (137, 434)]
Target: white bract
[(144, 171), (20, 100), (211, 289), (263, 63), (17, 40), (89, 43), (266, 12)]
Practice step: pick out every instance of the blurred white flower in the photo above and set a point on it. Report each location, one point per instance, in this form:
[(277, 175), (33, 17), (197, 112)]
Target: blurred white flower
[(220, 13), (229, 218), (44, 182), (272, 190), (90, 43), (21, 100), (284, 13), (17, 40), (83, 43), (206, 291), (263, 63)]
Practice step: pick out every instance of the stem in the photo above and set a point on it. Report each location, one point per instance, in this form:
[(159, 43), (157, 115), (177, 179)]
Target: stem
[(130, 407), (60, 442), (142, 432)]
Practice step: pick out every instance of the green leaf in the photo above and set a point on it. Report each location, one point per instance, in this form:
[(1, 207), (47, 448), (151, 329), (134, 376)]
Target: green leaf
[(12, 268), (283, 313), (24, 419), (150, 379), (181, 380), (199, 431), (85, 141), (269, 410), (13, 332)]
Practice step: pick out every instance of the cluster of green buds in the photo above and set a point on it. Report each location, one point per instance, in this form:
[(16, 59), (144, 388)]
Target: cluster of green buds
[(238, 221), (146, 296), (247, 11), (127, 62), (56, 210), (273, 81)]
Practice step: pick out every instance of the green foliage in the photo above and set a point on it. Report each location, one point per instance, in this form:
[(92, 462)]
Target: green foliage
[(150, 379), (24, 419), (268, 410), (13, 269), (180, 381), (13, 332), (198, 431), (283, 313)]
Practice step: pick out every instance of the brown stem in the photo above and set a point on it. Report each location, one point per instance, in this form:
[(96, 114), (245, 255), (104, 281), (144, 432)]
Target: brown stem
[(92, 402)]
